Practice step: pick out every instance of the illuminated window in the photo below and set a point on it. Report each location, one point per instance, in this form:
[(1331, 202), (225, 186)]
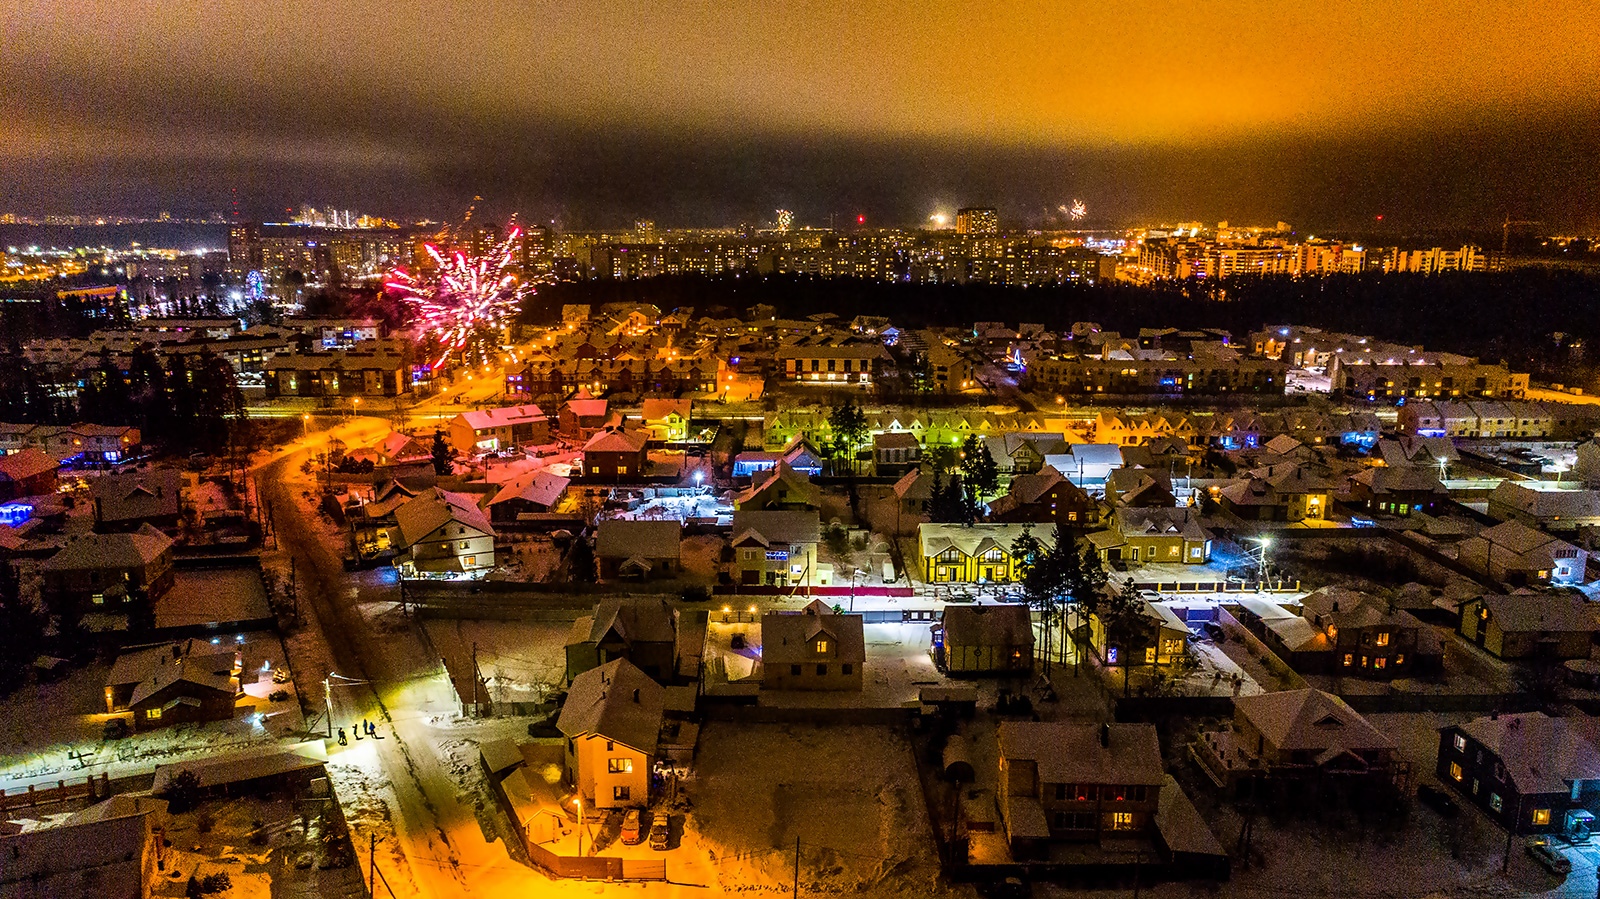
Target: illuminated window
[(1460, 743), (1494, 802), (620, 794), (1122, 820), (1541, 817), (152, 714), (1455, 771), (822, 646), (1150, 655), (1380, 662), (1383, 638), (1349, 659)]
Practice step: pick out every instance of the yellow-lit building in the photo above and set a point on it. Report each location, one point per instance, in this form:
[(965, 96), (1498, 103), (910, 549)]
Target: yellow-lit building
[(953, 554)]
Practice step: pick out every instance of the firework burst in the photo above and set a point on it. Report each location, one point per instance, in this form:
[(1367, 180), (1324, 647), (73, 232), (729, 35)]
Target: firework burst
[(466, 298)]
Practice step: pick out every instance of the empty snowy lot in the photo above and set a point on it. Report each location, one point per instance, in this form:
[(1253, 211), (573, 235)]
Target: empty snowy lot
[(848, 794)]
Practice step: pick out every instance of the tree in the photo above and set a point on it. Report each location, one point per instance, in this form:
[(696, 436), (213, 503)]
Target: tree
[(1126, 625), (978, 471), (21, 631), (443, 455), (581, 561), (849, 427), (182, 792), (946, 502)]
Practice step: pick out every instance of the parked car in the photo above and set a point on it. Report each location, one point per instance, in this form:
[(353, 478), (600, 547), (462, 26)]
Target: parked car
[(1215, 632), (1548, 857), (658, 832), (1438, 800), (632, 829), (117, 728)]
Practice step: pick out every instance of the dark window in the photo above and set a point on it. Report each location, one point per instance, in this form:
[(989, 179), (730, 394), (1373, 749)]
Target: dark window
[(848, 669), (1061, 792), (794, 670), (822, 670)]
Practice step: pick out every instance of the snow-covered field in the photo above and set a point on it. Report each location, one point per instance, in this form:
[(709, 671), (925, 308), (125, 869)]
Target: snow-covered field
[(849, 795)]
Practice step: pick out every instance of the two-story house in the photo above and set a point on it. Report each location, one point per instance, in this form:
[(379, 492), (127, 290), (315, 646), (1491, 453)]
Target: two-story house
[(615, 454), (438, 533), (1062, 781), (1298, 735), (778, 548), (667, 420), (982, 553), (115, 574), (1046, 496), (779, 488), (1155, 535), (812, 649), (612, 721), (1530, 772), (1547, 626), (490, 430)]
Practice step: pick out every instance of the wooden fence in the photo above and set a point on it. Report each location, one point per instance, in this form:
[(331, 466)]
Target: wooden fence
[(90, 788)]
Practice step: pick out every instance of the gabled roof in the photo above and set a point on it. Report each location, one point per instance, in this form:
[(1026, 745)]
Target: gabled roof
[(1542, 612), (157, 493), (786, 636), (633, 621), (1066, 752), (616, 440), (541, 486), (1409, 479), (914, 485), (895, 440), (1309, 720), (26, 464), (621, 538), (615, 701), (1540, 754), (988, 625), (505, 416), (1027, 489), (1517, 537), (93, 552), (979, 538), (656, 409), (1159, 522), (776, 526), (210, 670), (798, 485), (430, 510)]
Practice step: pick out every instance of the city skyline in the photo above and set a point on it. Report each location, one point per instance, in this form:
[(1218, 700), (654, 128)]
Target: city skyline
[(703, 117)]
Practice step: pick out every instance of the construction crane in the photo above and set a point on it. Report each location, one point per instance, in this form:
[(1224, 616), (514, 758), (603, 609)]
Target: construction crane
[(1505, 231)]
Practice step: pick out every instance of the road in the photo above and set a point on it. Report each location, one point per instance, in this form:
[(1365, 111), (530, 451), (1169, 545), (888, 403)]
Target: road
[(390, 679)]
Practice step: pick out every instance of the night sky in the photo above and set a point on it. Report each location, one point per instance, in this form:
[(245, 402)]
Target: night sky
[(1325, 115)]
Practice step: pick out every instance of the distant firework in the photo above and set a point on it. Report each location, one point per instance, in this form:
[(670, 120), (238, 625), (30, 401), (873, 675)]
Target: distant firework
[(785, 220), (1077, 212), (466, 300)]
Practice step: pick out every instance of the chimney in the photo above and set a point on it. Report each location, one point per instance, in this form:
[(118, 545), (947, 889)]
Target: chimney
[(1105, 735)]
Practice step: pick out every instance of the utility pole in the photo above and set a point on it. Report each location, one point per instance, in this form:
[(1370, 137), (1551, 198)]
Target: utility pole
[(796, 868), (327, 696), (372, 865), (475, 679)]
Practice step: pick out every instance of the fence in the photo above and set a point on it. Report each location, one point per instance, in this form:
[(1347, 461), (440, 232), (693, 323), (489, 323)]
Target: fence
[(90, 788), (595, 867)]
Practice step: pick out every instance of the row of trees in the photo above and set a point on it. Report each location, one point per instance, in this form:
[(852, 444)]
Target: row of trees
[(1066, 580), (187, 404)]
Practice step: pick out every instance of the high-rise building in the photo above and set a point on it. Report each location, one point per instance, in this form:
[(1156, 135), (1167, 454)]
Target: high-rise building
[(978, 220)]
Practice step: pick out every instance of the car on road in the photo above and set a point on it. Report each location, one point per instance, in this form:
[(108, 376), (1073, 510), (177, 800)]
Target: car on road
[(1438, 800), (659, 832), (1548, 858), (632, 827)]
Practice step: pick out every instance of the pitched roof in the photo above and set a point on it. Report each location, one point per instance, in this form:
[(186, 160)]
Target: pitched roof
[(657, 409), (914, 485), (1160, 522), (616, 701), (1310, 720), (987, 625), (541, 486), (616, 440), (28, 463), (778, 526), (156, 493), (92, 552), (211, 670), (622, 538), (430, 510), (505, 416), (1408, 479), (1067, 752), (786, 636), (1542, 612), (1541, 754), (799, 486), (633, 620), (1518, 537)]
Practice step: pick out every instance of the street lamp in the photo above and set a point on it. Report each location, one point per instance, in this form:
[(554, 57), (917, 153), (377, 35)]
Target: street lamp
[(1261, 561), (578, 801), (305, 425), (356, 406)]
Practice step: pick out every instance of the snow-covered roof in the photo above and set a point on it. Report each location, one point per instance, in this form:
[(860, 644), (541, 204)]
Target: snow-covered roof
[(622, 538), (426, 512), (92, 552), (1085, 753), (616, 701), (1540, 754), (1309, 720), (505, 416)]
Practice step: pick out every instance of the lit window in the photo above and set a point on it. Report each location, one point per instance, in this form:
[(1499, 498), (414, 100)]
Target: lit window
[(1122, 820), (152, 714), (1349, 659), (619, 766), (1460, 743), (1541, 817), (822, 646), (1383, 638), (1380, 662), (1494, 802), (1455, 771)]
